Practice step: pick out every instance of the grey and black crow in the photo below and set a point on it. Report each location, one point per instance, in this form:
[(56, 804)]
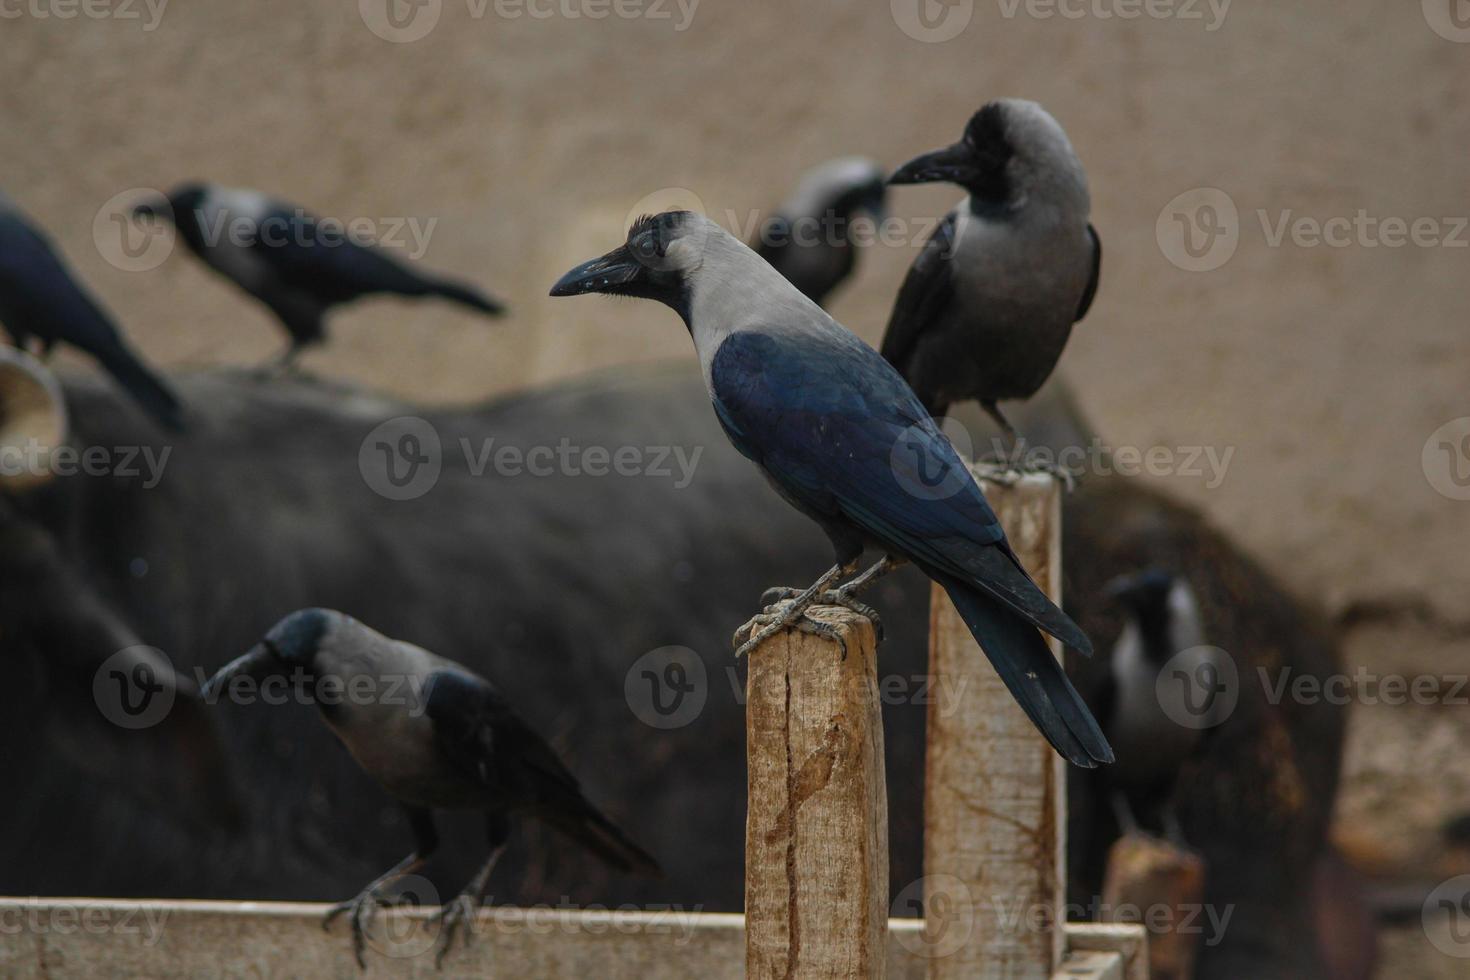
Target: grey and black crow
[(1142, 711), (843, 438), (292, 261), (435, 736), (41, 300), (989, 303), (809, 237)]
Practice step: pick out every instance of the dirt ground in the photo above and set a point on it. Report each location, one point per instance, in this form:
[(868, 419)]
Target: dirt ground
[(1323, 367)]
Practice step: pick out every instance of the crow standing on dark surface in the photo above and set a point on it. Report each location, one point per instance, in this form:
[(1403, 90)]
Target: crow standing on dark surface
[(809, 237), (842, 438), (1148, 717), (434, 735), (295, 263), (40, 299), (989, 303)]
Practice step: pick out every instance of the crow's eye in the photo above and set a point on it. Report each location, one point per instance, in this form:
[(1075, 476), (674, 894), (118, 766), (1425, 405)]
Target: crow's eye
[(646, 247)]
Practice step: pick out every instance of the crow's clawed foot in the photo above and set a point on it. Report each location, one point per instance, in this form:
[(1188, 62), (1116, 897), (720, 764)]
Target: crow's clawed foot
[(845, 598), (458, 914), (777, 617), (362, 909)]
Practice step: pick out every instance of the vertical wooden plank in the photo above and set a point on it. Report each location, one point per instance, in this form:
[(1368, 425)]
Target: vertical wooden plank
[(995, 791), (816, 834)]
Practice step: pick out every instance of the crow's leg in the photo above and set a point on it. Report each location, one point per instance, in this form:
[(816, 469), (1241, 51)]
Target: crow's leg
[(845, 595), (426, 839), (1123, 813), (792, 612), (1173, 829), (462, 908)]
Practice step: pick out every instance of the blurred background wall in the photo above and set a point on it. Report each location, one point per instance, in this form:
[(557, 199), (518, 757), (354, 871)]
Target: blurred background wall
[(1325, 367)]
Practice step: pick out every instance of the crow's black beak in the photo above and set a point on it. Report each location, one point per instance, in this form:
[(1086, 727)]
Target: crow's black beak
[(607, 274), (258, 663), (954, 164)]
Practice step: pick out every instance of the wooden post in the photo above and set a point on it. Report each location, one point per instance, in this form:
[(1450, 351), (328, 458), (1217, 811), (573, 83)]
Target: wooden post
[(816, 833), (995, 791)]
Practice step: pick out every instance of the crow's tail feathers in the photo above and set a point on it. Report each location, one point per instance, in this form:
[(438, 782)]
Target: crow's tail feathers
[(467, 295), (145, 387), (599, 835), (1032, 674)]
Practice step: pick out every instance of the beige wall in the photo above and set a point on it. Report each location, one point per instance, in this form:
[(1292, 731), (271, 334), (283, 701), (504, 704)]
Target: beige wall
[(1326, 368)]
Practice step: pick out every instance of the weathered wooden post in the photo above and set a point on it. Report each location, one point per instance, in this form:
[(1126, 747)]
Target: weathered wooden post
[(995, 792), (816, 833)]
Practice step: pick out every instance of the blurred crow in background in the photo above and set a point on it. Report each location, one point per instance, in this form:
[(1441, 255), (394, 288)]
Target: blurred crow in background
[(843, 439), (434, 735), (295, 263), (989, 303), (808, 238), (40, 299), (1144, 711)]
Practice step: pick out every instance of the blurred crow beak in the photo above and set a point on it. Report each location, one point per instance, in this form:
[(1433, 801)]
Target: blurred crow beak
[(258, 663), (954, 164), (601, 275)]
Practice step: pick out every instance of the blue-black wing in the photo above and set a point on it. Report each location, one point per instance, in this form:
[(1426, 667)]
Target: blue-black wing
[(1091, 291), (839, 430), (926, 290)]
